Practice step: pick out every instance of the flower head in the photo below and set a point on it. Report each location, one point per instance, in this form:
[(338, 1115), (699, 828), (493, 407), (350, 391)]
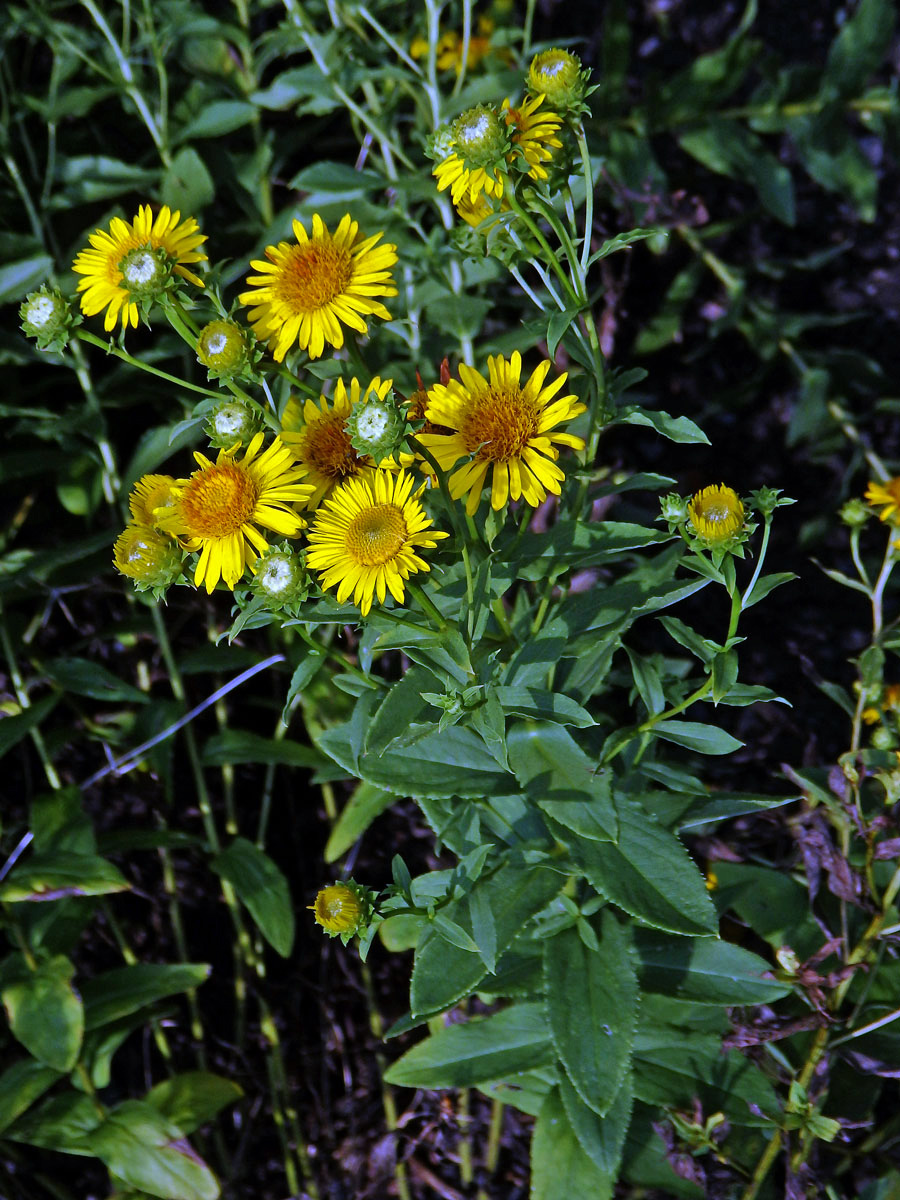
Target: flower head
[(502, 426), (308, 289), (716, 514), (218, 510), (280, 578), (151, 493), (377, 425), (223, 348), (318, 435), (449, 48), (886, 496), (46, 316), (533, 134), (557, 74), (133, 262), (481, 141), (366, 535), (149, 558), (232, 422), (342, 909)]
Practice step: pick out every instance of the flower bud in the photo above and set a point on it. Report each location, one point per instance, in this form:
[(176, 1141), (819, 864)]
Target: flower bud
[(481, 137), (855, 513), (149, 558), (280, 578), (557, 74), (151, 493), (223, 348), (232, 422), (342, 909), (145, 272), (377, 425), (674, 509), (716, 514), (46, 316)]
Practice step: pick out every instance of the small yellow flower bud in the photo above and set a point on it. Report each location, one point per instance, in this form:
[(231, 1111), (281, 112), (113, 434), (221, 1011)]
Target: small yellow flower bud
[(338, 909), (149, 558), (558, 75), (222, 348), (717, 514)]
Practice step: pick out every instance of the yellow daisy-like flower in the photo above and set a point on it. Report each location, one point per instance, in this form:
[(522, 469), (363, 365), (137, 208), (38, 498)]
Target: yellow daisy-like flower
[(534, 133), (148, 557), (366, 535), (716, 513), (449, 48), (504, 427), (132, 258), (338, 909), (217, 510), (317, 435), (887, 497), (306, 290), (150, 493)]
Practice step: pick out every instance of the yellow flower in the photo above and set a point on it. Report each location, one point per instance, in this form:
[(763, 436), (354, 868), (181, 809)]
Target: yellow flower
[(338, 908), (366, 535), (150, 493), (449, 48), (318, 437), (502, 426), (533, 133), (886, 496), (133, 259), (480, 142), (217, 510), (307, 289), (890, 702), (716, 513)]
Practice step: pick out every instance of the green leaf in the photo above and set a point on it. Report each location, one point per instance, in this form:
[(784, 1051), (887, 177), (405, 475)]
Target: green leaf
[(365, 804), (240, 746), (124, 990), (860, 48), (454, 762), (262, 887), (191, 1099), (24, 275), (721, 805), (13, 729), (59, 1124), (304, 673), (139, 1146), (676, 429), (544, 706), (63, 873), (44, 1011), (187, 185), (730, 148), (442, 973), (562, 780), (514, 1039), (20, 1085), (705, 971), (402, 706), (59, 822), (86, 678), (649, 874), (218, 118), (601, 1138), (336, 178), (592, 1006), (707, 739), (623, 240), (87, 178), (560, 1169)]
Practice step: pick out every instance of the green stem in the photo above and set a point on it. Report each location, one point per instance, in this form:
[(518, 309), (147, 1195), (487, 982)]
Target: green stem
[(118, 352), (426, 605)]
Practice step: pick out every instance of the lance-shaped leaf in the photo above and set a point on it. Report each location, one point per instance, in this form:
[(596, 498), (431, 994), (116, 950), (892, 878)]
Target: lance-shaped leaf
[(44, 1011), (262, 887), (559, 1166)]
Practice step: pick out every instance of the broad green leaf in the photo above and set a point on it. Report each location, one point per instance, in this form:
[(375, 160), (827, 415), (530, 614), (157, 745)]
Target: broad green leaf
[(44, 1010), (59, 822), (124, 990), (24, 275), (560, 777), (240, 746), (365, 804), (544, 706), (693, 735), (592, 1001), (730, 148), (187, 185), (13, 729), (676, 429), (705, 970), (443, 973), (454, 762), (337, 178), (514, 1039), (58, 1124), (61, 873), (87, 678), (87, 178), (139, 1146), (262, 887), (560, 1169), (193, 1098), (601, 1138), (218, 118), (860, 47), (720, 805), (833, 159), (649, 874), (402, 706), (22, 1084)]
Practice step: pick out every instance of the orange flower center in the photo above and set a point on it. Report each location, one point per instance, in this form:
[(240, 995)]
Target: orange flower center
[(499, 424), (375, 536), (218, 500), (313, 274), (327, 447)]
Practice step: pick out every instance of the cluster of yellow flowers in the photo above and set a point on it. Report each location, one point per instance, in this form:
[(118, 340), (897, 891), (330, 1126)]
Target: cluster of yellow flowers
[(369, 524)]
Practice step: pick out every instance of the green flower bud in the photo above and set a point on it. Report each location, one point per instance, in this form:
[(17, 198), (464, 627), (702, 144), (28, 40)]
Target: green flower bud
[(280, 578), (377, 425), (855, 513), (440, 144), (674, 509), (150, 559), (223, 348), (145, 272), (231, 422), (557, 74), (343, 909), (482, 137), (46, 316)]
